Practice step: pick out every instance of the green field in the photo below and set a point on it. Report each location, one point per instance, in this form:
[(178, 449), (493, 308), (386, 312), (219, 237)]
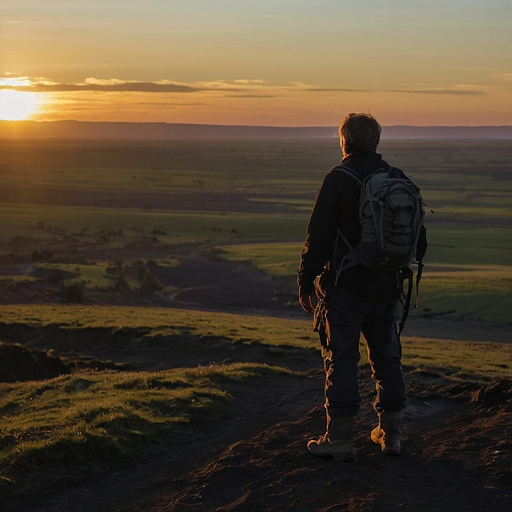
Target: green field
[(250, 201)]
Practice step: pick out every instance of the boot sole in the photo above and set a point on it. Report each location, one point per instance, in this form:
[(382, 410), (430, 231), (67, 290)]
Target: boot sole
[(339, 457), (344, 458)]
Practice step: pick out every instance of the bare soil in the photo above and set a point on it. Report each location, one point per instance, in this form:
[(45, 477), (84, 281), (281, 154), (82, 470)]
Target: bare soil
[(457, 448)]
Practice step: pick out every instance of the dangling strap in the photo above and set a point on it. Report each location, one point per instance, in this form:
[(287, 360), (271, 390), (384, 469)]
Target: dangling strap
[(418, 277), (345, 261), (409, 274)]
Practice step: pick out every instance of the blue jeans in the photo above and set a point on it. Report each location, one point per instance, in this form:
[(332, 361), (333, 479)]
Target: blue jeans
[(344, 320)]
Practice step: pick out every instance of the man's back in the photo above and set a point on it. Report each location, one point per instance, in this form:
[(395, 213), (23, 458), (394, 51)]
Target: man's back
[(336, 209)]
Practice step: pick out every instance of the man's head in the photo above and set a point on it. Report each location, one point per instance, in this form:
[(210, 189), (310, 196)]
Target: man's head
[(359, 133)]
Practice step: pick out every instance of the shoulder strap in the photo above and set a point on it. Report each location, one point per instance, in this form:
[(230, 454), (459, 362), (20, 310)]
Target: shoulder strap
[(352, 171), (348, 260)]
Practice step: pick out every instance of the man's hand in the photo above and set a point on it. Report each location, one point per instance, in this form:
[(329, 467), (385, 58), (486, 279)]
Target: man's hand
[(308, 302)]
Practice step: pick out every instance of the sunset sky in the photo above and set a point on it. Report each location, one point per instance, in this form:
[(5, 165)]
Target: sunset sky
[(257, 62)]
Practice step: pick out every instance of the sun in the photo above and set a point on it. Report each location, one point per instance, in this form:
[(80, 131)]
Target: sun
[(17, 105)]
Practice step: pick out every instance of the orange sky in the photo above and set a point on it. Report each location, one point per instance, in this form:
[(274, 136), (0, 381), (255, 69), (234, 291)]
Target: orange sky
[(279, 63)]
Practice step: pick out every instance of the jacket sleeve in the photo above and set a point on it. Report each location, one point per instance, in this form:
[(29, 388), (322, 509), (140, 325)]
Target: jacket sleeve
[(320, 237)]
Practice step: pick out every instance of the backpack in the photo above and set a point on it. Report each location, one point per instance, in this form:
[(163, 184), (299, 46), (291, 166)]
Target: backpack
[(391, 213)]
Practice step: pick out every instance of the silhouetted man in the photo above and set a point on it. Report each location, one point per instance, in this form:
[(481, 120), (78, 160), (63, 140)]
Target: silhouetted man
[(361, 300)]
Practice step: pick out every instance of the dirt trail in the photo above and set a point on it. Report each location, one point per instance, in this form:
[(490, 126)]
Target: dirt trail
[(456, 456)]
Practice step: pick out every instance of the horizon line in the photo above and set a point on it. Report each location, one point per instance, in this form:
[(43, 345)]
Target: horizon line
[(20, 121)]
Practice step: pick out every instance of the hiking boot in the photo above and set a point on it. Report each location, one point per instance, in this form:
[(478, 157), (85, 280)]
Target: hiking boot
[(337, 440), (387, 433)]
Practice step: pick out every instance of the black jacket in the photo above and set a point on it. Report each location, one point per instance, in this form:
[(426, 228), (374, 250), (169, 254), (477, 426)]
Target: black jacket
[(337, 207)]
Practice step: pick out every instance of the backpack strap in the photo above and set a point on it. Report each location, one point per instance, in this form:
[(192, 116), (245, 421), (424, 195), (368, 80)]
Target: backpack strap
[(409, 275), (418, 277), (346, 262), (351, 170)]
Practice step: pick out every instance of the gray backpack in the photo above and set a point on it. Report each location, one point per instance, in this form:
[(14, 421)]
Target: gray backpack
[(391, 213)]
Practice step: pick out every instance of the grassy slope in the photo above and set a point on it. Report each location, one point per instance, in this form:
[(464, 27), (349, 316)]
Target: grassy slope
[(461, 357), (89, 420)]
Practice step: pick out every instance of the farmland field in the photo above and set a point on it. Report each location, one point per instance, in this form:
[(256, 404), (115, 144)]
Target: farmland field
[(242, 202)]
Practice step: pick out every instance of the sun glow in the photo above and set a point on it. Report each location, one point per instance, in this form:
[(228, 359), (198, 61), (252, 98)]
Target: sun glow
[(17, 105)]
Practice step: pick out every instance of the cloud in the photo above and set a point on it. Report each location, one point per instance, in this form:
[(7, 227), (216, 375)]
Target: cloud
[(94, 84), (12, 80), (239, 88), (502, 77), (442, 92), (244, 81), (450, 92), (117, 85), (252, 95), (112, 87), (247, 87), (170, 104), (334, 89)]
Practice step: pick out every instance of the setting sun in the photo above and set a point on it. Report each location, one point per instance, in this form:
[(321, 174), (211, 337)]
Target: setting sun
[(16, 105)]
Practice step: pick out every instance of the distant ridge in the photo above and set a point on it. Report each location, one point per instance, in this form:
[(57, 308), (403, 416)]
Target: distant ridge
[(170, 131), (447, 132), (153, 131)]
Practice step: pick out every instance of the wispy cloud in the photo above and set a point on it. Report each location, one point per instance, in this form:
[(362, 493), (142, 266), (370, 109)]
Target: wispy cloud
[(502, 77), (252, 95), (333, 89), (441, 92), (241, 88), (235, 88), (101, 85)]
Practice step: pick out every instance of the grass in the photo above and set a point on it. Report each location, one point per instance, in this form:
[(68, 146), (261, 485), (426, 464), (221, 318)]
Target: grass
[(82, 423), (457, 360), (93, 275), (277, 259), (82, 226), (482, 292), (18, 279), (93, 420), (156, 321), (468, 244), (461, 357)]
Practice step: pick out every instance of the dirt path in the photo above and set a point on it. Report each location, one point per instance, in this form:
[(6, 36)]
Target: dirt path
[(456, 456)]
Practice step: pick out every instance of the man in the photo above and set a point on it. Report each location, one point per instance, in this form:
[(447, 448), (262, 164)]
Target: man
[(361, 300)]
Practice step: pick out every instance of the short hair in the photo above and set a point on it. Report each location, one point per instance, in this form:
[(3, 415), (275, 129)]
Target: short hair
[(359, 133)]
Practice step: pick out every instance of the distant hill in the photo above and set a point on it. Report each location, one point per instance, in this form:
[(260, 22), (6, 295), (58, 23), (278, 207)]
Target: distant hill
[(447, 132), (170, 131), (153, 131)]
